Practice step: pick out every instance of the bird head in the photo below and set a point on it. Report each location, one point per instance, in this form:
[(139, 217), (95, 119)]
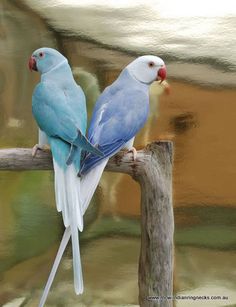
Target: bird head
[(147, 69), (45, 59)]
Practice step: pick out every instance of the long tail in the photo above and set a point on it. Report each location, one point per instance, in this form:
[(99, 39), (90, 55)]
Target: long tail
[(64, 242), (67, 191), (87, 187)]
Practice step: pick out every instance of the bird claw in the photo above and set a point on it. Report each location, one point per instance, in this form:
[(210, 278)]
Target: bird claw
[(134, 151), (39, 147), (166, 87), (35, 149)]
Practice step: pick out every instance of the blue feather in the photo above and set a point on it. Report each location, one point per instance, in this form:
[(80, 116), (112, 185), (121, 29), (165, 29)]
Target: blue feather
[(120, 112), (55, 117)]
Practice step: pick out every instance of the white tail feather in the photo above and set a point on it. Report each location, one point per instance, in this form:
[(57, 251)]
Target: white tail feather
[(64, 242), (72, 183), (78, 277), (76, 221), (60, 193), (89, 183), (67, 191), (83, 194)]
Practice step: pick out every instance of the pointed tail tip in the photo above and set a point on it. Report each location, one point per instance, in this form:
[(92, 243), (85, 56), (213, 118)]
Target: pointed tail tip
[(79, 289), (81, 227), (79, 292), (80, 221)]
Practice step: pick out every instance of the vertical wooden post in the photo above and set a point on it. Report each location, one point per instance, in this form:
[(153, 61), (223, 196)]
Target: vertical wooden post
[(157, 228)]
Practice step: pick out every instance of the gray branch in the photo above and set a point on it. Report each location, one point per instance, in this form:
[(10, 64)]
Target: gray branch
[(153, 170)]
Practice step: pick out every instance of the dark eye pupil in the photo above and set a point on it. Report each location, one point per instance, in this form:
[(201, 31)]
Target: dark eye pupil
[(40, 54), (151, 64)]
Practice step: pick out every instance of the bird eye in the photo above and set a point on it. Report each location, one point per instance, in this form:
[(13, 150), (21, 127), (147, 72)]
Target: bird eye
[(41, 54), (151, 64)]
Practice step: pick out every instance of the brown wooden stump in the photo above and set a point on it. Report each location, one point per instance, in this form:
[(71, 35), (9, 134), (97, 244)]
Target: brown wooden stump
[(157, 222)]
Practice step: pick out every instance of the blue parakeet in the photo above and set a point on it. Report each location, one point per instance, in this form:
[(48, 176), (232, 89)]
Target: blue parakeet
[(120, 112), (59, 108)]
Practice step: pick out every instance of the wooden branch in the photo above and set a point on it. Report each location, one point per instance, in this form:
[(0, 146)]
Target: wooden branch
[(20, 159), (153, 170)]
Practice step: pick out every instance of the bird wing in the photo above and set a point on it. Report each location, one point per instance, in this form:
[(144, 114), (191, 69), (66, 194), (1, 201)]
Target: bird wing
[(117, 118), (55, 117)]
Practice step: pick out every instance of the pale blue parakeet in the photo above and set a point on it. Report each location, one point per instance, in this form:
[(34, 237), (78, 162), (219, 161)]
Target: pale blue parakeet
[(59, 108), (120, 112)]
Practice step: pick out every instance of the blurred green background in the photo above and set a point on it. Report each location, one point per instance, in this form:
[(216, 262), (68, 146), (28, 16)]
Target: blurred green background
[(197, 41)]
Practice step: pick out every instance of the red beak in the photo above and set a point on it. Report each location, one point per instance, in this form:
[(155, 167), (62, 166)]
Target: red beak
[(32, 64), (161, 74)]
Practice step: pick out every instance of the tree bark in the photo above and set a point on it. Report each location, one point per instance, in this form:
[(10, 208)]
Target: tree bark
[(153, 170), (157, 223)]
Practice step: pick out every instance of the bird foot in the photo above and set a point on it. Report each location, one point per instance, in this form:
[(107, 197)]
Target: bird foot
[(39, 147), (134, 151), (166, 87)]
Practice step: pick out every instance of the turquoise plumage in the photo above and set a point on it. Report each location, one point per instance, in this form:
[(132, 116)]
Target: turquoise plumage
[(59, 108)]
